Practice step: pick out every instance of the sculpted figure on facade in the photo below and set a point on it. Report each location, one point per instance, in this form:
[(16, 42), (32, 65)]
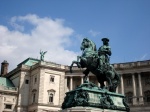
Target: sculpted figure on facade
[(42, 53)]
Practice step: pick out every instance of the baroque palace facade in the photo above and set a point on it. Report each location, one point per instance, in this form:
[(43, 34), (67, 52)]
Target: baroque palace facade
[(40, 86)]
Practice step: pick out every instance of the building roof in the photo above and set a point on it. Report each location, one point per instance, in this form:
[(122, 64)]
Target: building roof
[(6, 82), (29, 62)]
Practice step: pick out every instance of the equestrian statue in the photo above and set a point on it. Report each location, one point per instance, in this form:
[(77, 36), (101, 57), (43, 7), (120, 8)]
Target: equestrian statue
[(97, 62)]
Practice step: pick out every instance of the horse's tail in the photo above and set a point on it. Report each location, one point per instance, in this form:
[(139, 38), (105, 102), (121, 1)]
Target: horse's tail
[(117, 77)]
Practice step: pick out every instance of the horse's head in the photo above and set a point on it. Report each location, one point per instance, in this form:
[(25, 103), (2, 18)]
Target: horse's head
[(86, 43)]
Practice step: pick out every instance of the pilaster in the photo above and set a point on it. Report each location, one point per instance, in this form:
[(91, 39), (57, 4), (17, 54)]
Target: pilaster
[(71, 83), (141, 102), (65, 84), (62, 89)]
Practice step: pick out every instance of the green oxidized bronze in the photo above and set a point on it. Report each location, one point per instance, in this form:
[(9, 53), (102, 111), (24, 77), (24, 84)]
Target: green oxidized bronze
[(89, 94), (42, 53), (97, 62)]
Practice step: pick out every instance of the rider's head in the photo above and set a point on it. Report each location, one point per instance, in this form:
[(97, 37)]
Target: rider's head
[(105, 41)]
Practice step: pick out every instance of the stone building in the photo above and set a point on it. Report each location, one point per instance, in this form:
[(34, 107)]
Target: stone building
[(8, 91), (40, 86)]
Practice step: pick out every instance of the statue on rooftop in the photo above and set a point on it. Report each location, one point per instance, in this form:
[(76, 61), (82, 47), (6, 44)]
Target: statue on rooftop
[(42, 53), (97, 62)]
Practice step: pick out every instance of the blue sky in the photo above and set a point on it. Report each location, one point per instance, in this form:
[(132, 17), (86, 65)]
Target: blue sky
[(26, 27)]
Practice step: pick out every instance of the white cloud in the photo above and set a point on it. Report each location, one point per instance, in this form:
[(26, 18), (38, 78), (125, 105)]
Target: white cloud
[(47, 34), (94, 33)]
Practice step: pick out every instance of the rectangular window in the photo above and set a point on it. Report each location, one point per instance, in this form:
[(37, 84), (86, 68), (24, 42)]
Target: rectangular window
[(129, 81), (35, 80), (51, 78), (147, 81), (26, 81), (34, 97), (51, 98), (7, 106)]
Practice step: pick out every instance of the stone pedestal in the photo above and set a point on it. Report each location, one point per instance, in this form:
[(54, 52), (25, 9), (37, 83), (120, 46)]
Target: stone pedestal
[(141, 102), (135, 100), (90, 98)]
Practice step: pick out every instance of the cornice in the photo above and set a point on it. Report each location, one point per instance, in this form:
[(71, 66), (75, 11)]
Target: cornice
[(43, 104)]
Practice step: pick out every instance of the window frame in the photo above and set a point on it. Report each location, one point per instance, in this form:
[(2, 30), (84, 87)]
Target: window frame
[(27, 81), (52, 79), (51, 94), (8, 106)]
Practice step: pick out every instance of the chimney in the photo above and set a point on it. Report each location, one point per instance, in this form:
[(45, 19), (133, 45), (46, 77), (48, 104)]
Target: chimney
[(4, 68)]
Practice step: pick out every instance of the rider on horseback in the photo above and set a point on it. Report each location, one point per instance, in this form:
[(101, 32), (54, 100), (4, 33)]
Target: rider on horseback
[(97, 62), (104, 52)]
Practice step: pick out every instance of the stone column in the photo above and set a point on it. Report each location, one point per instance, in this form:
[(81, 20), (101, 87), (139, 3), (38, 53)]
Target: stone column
[(141, 102), (134, 90), (81, 79), (71, 84), (66, 87), (122, 85)]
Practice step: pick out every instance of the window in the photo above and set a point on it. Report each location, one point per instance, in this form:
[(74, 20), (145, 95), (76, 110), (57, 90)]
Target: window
[(129, 97), (26, 81), (51, 78), (51, 94), (34, 97), (51, 98), (35, 80), (129, 81), (7, 106), (147, 96), (147, 81)]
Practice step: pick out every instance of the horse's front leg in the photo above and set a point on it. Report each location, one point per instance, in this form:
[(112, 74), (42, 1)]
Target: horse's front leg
[(74, 62), (78, 63), (110, 85), (102, 85), (86, 72)]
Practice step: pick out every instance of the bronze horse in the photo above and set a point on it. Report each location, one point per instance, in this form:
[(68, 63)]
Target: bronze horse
[(89, 60)]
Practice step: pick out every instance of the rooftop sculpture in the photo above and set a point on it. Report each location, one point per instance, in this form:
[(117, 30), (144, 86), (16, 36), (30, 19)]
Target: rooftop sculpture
[(42, 53)]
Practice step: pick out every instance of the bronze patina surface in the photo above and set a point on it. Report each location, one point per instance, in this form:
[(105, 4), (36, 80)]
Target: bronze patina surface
[(89, 94)]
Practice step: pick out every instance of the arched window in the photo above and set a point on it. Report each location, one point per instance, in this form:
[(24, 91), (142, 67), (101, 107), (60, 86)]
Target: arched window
[(51, 94), (34, 95), (129, 96), (147, 96)]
